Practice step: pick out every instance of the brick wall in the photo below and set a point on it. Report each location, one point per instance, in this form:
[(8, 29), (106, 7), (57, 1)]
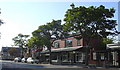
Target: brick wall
[(93, 42)]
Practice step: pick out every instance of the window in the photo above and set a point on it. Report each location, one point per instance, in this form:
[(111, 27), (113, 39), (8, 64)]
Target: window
[(68, 43), (94, 56), (65, 57), (102, 56), (56, 44), (79, 57), (78, 42), (98, 56)]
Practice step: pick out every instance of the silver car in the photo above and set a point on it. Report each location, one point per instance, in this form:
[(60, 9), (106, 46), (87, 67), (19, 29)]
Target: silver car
[(17, 59), (32, 60), (24, 60)]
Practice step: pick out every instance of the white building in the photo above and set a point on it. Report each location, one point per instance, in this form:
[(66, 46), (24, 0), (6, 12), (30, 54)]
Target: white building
[(115, 51), (113, 46)]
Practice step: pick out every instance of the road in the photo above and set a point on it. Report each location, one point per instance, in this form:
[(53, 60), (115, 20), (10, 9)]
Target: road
[(10, 65)]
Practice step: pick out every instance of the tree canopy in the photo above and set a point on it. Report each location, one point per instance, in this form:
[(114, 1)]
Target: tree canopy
[(91, 22), (1, 22), (49, 31), (21, 41)]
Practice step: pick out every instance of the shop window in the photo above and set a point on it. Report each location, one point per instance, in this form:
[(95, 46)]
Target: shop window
[(102, 56), (68, 43), (54, 56), (65, 57), (80, 57), (98, 56), (94, 56), (56, 44)]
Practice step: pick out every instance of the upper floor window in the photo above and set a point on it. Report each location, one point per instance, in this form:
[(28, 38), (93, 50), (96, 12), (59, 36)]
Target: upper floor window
[(56, 44), (78, 42), (68, 43)]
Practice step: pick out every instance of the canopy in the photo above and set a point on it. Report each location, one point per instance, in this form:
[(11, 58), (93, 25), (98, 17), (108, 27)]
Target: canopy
[(63, 49)]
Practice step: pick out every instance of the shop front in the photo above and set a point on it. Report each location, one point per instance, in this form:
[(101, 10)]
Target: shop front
[(71, 55), (114, 51)]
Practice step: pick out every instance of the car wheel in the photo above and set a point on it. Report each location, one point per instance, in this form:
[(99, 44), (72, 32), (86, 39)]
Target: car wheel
[(37, 62), (32, 62)]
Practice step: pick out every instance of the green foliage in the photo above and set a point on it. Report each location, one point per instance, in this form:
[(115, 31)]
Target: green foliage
[(91, 21), (103, 43), (35, 42), (107, 40), (20, 40), (13, 52), (45, 32)]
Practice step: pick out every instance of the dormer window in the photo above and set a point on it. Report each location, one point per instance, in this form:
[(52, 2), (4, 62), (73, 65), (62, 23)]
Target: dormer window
[(56, 44), (68, 43)]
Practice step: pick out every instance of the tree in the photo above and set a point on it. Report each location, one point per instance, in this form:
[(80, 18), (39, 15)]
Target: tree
[(21, 41), (89, 23), (34, 42), (49, 33), (13, 52), (1, 22), (103, 43)]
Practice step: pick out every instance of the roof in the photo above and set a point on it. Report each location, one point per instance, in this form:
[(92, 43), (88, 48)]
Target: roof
[(113, 45), (62, 49)]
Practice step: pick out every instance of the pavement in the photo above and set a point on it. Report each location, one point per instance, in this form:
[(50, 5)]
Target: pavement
[(59, 67)]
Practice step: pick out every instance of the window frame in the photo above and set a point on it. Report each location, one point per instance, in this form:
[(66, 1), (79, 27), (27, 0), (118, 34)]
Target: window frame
[(78, 42), (58, 44), (67, 44)]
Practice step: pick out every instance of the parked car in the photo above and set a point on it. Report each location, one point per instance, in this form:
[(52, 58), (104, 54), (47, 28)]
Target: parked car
[(17, 59), (24, 60), (32, 60)]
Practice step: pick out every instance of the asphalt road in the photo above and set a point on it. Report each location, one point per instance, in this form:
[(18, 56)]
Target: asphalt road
[(10, 65)]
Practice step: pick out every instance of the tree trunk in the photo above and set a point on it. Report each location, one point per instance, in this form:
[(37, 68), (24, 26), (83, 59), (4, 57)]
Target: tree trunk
[(87, 47), (86, 56), (50, 60), (50, 57)]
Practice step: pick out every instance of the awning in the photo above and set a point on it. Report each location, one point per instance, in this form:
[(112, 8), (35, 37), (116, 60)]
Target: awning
[(113, 46), (63, 49)]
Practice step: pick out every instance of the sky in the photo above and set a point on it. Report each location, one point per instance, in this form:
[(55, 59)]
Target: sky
[(25, 16)]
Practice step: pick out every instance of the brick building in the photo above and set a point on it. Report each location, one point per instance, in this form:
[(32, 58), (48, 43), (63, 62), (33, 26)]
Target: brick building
[(73, 51)]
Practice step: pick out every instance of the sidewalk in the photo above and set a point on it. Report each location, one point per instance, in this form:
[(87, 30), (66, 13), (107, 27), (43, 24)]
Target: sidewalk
[(78, 66)]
